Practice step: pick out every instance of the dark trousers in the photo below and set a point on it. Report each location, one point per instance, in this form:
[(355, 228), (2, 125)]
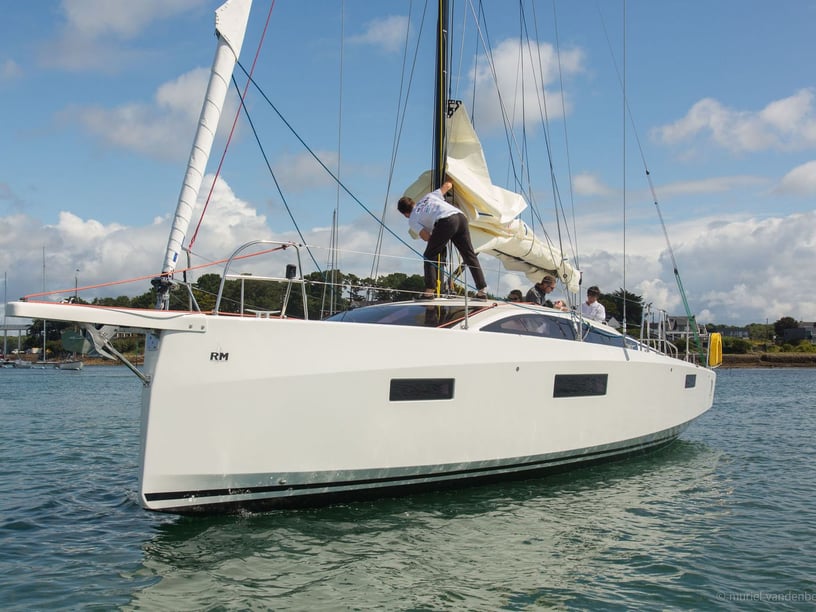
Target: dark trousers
[(454, 229)]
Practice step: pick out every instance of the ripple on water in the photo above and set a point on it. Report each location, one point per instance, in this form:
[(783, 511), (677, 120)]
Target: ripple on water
[(726, 509)]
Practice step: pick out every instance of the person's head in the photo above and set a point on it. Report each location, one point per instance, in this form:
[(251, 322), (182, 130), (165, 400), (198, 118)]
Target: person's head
[(405, 205), (593, 293), (547, 283), (514, 295)]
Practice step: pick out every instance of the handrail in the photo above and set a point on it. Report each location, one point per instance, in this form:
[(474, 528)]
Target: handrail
[(300, 280)]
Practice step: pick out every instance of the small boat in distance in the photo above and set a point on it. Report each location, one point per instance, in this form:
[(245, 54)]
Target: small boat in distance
[(75, 364)]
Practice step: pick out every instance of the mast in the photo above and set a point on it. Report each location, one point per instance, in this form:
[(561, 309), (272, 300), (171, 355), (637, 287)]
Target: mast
[(230, 26), (440, 94)]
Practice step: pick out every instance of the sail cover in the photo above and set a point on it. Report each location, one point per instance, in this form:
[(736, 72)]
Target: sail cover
[(493, 211)]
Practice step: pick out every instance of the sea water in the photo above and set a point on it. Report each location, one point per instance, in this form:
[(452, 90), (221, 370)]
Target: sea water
[(723, 518)]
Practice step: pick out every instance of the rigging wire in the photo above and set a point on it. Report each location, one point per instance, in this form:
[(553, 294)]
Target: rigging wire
[(623, 162), (521, 82), (484, 39), (334, 253), (574, 236), (544, 116), (475, 66), (461, 63), (545, 121), (317, 158), (510, 137), (399, 122), (482, 35), (628, 113), (272, 172)]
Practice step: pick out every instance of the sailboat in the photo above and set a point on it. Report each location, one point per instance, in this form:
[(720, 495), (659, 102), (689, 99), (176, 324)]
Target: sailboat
[(72, 364), (357, 405), (74, 341)]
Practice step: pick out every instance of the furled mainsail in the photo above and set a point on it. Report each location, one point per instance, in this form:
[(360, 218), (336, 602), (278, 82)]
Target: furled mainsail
[(493, 211)]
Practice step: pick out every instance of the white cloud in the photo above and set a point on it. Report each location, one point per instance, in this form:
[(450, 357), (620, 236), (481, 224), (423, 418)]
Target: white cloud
[(388, 33), (163, 129), (788, 124), (513, 63), (800, 181), (97, 18), (734, 270), (184, 95), (660, 294), (718, 184), (605, 199), (80, 55), (229, 221), (72, 228), (750, 270), (13, 229), (586, 184), (93, 31)]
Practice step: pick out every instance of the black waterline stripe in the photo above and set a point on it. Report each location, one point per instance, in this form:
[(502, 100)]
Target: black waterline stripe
[(175, 495)]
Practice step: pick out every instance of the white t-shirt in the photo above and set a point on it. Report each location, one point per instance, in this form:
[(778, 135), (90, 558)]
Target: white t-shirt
[(430, 209), (594, 311)]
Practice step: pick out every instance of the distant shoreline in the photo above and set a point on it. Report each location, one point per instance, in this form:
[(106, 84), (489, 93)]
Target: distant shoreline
[(770, 360), (750, 360)]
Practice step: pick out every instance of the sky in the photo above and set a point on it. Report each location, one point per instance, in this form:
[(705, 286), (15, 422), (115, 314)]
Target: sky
[(99, 100)]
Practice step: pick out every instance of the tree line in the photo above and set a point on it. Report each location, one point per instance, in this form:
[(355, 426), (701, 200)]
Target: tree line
[(335, 291)]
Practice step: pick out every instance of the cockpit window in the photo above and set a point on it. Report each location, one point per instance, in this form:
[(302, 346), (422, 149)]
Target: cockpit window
[(416, 315), (534, 325), (597, 336)]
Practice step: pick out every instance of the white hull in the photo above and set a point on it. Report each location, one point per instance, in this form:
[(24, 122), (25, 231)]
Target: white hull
[(263, 412), (299, 412)]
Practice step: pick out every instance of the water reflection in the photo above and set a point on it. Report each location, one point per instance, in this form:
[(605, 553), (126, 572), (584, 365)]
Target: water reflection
[(477, 548)]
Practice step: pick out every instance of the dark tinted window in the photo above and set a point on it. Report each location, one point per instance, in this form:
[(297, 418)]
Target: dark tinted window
[(417, 315), (691, 381), (414, 389), (533, 325), (579, 385), (597, 336)]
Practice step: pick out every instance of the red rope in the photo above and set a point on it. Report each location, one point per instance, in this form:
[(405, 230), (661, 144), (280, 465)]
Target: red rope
[(232, 131), (150, 276)]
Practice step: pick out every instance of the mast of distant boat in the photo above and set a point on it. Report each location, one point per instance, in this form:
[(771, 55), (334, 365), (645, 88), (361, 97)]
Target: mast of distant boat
[(43, 288), (5, 301), (230, 26)]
